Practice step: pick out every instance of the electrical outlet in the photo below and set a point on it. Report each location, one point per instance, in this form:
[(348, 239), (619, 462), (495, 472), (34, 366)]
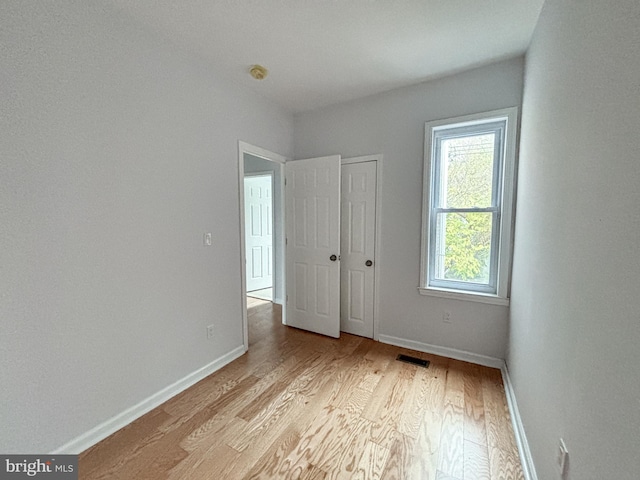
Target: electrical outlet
[(446, 317), (209, 332), (563, 454)]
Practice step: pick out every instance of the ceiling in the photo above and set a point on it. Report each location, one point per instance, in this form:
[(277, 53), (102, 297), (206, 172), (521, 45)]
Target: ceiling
[(321, 52)]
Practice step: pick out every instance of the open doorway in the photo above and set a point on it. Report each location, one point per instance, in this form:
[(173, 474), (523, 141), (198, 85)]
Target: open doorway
[(262, 228)]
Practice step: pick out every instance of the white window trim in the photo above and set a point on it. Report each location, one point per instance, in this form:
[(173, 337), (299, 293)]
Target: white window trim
[(506, 220)]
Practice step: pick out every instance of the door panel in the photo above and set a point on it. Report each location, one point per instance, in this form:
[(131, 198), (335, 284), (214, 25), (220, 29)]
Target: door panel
[(313, 236), (259, 231), (358, 246)]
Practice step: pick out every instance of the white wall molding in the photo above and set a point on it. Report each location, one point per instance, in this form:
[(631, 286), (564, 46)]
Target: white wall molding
[(528, 468), (124, 418), (454, 353)]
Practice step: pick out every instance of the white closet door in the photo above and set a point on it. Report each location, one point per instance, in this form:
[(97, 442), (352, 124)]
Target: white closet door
[(358, 248)]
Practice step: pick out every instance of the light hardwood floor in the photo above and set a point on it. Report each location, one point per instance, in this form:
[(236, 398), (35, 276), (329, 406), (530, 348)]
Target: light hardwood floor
[(302, 406)]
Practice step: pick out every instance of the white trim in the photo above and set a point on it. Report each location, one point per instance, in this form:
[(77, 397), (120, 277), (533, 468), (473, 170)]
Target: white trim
[(266, 173), (244, 147), (508, 186), (454, 353), (282, 290), (378, 251), (528, 467), (378, 234), (102, 431), (243, 248), (361, 159), (464, 296)]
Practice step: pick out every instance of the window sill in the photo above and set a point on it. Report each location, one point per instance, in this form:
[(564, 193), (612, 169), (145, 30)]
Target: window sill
[(465, 296)]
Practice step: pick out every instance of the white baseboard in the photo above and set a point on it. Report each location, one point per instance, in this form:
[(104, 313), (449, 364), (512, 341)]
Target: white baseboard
[(443, 351), (102, 431), (526, 459)]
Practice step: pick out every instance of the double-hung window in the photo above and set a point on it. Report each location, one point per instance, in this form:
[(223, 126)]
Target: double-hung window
[(467, 206)]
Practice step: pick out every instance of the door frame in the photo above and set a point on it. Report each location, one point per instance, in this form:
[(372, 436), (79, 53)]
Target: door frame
[(244, 147), (378, 158), (247, 148), (270, 174)]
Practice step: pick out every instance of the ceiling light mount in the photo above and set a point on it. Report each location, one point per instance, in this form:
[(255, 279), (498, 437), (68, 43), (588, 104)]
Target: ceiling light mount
[(258, 72)]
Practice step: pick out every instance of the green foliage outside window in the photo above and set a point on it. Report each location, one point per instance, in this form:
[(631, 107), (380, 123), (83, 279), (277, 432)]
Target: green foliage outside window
[(468, 184)]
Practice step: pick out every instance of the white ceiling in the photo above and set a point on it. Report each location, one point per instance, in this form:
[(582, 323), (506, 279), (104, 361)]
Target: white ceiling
[(321, 52)]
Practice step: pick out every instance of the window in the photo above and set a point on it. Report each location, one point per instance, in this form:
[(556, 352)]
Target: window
[(467, 207)]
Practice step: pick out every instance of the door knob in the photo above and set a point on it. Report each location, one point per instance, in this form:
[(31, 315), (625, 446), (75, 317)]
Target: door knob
[(333, 258), (368, 263)]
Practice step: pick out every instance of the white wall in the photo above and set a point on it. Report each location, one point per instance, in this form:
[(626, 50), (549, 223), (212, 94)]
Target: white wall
[(253, 164), (575, 311), (116, 154), (393, 124)]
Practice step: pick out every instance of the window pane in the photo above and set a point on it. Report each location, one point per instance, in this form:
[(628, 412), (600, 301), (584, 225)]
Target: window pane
[(463, 246), (467, 171)]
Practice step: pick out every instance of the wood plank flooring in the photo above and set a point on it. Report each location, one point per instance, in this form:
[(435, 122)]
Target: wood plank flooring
[(303, 406)]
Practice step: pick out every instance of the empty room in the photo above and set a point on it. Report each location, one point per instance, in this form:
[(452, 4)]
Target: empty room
[(309, 239)]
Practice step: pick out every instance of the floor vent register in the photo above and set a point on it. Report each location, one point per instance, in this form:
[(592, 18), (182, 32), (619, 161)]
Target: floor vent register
[(413, 360)]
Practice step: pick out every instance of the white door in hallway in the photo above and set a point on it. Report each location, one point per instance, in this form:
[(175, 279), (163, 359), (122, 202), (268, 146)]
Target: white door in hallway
[(357, 269), (313, 244), (258, 204)]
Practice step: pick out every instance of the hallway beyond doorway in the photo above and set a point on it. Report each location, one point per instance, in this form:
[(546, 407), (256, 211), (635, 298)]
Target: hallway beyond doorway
[(262, 294)]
